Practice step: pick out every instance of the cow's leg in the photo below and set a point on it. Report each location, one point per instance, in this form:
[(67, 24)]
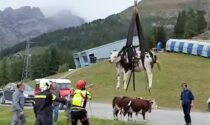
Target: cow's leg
[(124, 115), (146, 79), (143, 114), (118, 81), (126, 77), (121, 114), (130, 116), (114, 112), (117, 112), (148, 69), (149, 75)]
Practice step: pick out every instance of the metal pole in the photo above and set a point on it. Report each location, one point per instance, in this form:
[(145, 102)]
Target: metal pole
[(26, 71), (91, 112)]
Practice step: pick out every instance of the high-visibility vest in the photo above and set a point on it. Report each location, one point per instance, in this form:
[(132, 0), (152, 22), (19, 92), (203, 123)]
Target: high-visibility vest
[(79, 98)]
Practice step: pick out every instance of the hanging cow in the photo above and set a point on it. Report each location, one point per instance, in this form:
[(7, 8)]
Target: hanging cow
[(123, 67)]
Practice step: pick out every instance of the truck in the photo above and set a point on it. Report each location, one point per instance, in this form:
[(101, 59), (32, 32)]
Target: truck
[(64, 86)]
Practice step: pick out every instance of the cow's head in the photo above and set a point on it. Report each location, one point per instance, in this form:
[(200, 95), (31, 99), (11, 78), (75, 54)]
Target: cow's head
[(153, 105), (114, 57), (150, 106)]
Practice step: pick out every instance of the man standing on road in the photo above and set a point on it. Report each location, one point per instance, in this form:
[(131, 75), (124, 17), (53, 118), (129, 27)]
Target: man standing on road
[(56, 92), (18, 105), (186, 101), (80, 97)]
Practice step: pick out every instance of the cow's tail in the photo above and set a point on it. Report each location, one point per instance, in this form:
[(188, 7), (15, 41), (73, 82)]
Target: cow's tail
[(157, 62), (114, 107), (114, 102)]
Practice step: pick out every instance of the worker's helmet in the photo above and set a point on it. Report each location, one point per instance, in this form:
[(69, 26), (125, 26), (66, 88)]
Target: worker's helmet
[(81, 84), (45, 85)]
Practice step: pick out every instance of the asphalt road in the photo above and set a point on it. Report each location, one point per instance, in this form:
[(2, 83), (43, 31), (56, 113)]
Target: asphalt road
[(156, 117)]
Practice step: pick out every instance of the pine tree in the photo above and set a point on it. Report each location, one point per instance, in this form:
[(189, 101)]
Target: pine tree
[(4, 73), (15, 70), (190, 24), (54, 60), (180, 24), (160, 35)]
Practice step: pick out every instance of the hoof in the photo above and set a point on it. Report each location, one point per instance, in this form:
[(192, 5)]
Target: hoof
[(144, 121)]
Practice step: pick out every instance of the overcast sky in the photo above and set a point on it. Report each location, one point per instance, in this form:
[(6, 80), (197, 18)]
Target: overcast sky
[(88, 9)]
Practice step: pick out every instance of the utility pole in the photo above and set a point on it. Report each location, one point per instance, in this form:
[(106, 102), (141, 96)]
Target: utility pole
[(26, 72)]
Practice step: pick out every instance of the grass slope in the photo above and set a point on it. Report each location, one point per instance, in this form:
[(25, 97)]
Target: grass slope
[(6, 117), (175, 69)]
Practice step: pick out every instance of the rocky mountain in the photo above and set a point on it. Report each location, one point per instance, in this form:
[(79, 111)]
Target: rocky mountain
[(65, 19), (26, 22)]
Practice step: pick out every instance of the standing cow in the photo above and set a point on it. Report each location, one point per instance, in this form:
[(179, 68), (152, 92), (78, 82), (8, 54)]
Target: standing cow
[(121, 105), (117, 106), (140, 106)]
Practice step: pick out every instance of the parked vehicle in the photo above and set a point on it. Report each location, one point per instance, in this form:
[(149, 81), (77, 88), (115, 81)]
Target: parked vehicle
[(64, 86), (9, 89)]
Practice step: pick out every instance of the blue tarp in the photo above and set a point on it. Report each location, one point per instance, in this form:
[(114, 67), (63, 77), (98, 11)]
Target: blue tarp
[(159, 46), (199, 50), (189, 48), (181, 46), (172, 46), (208, 51)]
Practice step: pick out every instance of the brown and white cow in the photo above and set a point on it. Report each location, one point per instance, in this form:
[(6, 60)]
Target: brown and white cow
[(117, 106), (140, 106), (122, 67), (121, 105)]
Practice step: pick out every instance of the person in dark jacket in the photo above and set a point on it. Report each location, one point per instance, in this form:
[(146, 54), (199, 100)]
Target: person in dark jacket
[(186, 101), (43, 105), (18, 105)]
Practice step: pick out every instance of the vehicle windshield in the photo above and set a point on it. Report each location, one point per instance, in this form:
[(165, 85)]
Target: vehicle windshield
[(63, 85), (27, 88)]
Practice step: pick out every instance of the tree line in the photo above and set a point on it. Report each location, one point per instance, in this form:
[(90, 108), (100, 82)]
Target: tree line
[(52, 61)]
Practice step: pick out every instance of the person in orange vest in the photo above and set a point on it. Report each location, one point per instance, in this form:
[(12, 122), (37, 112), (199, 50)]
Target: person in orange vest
[(79, 100)]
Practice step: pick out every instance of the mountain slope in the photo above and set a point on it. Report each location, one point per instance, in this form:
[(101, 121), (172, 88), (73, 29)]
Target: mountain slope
[(115, 27), (26, 22), (65, 19)]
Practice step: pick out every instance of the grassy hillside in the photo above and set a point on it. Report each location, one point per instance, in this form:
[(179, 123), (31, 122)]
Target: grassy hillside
[(175, 69)]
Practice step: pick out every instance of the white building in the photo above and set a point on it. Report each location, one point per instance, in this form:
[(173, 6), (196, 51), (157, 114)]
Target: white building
[(194, 47), (87, 57)]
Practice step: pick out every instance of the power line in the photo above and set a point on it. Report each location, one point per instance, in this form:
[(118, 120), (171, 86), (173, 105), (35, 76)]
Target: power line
[(26, 72)]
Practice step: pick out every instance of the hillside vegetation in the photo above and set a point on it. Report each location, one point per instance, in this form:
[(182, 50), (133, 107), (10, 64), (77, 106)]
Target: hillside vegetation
[(175, 69), (107, 30)]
